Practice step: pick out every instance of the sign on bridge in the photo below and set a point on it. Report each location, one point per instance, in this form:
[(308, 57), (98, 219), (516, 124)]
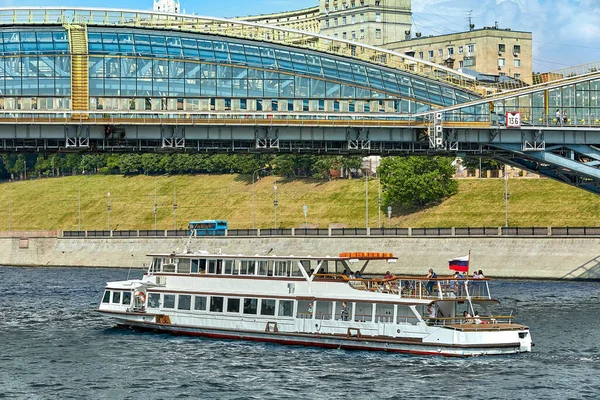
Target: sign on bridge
[(513, 119)]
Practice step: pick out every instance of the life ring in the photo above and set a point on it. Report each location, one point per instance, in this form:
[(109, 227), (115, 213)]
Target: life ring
[(141, 296)]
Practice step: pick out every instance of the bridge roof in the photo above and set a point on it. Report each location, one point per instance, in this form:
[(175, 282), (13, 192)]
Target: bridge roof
[(237, 29)]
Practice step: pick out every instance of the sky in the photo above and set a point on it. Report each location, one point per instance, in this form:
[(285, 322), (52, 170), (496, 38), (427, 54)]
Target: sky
[(565, 32)]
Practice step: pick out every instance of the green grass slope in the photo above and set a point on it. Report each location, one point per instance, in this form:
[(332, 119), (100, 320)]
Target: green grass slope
[(49, 204)]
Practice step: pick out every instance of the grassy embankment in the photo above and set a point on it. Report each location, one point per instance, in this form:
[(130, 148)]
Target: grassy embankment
[(50, 204)]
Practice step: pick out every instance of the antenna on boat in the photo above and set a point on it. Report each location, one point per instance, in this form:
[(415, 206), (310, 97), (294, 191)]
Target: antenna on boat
[(186, 248)]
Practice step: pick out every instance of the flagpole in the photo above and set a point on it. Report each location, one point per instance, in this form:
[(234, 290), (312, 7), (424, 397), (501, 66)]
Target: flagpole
[(469, 264)]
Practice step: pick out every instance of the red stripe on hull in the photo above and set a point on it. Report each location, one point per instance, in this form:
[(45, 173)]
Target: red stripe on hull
[(291, 342)]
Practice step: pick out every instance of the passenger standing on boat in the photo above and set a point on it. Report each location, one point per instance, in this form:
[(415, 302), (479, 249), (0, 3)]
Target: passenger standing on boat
[(430, 284), (344, 311), (310, 308), (388, 275), (358, 275), (467, 318)]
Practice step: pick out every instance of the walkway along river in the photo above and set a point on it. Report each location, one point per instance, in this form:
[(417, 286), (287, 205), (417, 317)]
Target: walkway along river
[(500, 257)]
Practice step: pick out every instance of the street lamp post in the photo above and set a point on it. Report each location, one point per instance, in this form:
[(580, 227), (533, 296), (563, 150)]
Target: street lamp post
[(389, 216), (258, 170), (108, 209), (378, 201), (10, 207), (367, 200), (174, 206), (506, 196), (79, 207), (275, 203), (305, 210), (154, 208)]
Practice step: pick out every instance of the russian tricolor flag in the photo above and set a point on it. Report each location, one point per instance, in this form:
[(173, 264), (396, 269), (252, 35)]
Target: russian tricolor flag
[(460, 264)]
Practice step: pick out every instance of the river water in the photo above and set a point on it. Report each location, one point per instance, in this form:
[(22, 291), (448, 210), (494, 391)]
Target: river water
[(53, 345)]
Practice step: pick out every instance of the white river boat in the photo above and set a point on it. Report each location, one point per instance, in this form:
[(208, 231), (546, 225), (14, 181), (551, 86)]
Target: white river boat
[(330, 302)]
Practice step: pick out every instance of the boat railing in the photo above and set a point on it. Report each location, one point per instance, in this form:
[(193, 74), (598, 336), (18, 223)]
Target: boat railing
[(484, 321), (424, 288)]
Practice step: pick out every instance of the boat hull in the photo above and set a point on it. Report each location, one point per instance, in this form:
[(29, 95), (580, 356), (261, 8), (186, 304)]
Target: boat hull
[(370, 343)]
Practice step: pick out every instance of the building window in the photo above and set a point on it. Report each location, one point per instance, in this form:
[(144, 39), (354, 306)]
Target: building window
[(471, 48), (430, 53), (362, 33), (353, 35), (501, 62), (461, 49), (335, 8), (421, 55), (326, 23), (353, 19), (501, 48), (362, 17), (377, 17), (335, 35), (469, 62), (343, 35), (450, 51), (517, 76), (440, 52), (502, 74), (461, 64), (377, 2), (517, 49), (517, 62), (344, 21), (335, 22), (377, 33)]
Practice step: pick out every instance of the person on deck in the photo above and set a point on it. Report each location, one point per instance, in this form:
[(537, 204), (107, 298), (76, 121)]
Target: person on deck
[(344, 311), (431, 283)]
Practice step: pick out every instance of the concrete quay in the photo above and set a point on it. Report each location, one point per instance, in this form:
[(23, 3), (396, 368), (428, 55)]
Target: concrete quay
[(500, 257)]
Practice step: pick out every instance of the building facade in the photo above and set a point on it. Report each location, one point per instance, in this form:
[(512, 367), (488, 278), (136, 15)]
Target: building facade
[(167, 6), (490, 51)]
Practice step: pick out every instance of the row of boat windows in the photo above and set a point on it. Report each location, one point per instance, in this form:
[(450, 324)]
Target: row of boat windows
[(284, 268), (323, 310)]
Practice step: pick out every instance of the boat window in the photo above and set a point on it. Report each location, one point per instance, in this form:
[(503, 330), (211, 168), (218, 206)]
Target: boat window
[(168, 267), (282, 268), (323, 309), (212, 266), (339, 308), (184, 302), (183, 267), (384, 313), (200, 303), (202, 266), (216, 304), (126, 298), (267, 307), (405, 315), (156, 264), (263, 267), (324, 268), (247, 267), (233, 305), (228, 267), (305, 309), (169, 301), (106, 298), (250, 306), (116, 299), (296, 270), (364, 312), (286, 308), (194, 267), (154, 300)]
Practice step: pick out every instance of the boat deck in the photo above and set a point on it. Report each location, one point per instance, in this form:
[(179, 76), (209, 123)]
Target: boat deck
[(487, 327)]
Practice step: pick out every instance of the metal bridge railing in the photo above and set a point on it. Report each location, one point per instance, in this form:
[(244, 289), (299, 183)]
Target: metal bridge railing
[(355, 232)]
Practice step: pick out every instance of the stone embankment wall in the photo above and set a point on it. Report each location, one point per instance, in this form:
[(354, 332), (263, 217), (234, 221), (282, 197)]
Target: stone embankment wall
[(502, 257)]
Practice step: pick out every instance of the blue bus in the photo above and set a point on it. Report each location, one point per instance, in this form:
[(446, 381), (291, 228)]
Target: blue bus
[(209, 227)]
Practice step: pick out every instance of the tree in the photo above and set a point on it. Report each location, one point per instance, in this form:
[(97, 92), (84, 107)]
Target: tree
[(416, 181)]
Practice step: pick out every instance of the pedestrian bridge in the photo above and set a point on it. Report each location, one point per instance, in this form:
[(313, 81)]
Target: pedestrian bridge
[(104, 80)]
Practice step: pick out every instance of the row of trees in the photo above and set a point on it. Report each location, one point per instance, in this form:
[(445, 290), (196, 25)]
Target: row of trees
[(21, 166)]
